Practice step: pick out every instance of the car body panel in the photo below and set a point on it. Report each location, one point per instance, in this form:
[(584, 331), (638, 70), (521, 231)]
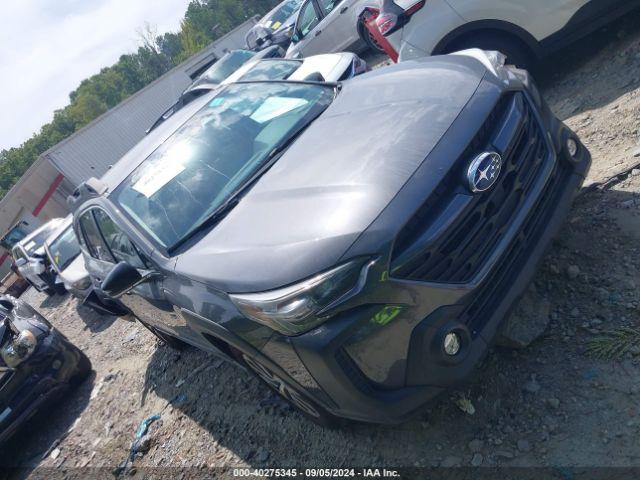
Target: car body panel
[(540, 18), (39, 379), (37, 269), (335, 32), (542, 26), (332, 66), (74, 273), (393, 119), (346, 188), (277, 28)]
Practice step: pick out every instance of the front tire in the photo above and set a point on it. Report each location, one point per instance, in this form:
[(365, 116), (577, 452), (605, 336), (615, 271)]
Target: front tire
[(83, 370), (301, 401)]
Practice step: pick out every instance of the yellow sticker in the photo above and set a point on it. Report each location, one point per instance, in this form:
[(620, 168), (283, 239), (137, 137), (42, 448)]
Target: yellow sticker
[(276, 25)]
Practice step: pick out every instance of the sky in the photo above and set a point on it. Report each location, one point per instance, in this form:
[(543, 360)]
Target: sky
[(47, 47)]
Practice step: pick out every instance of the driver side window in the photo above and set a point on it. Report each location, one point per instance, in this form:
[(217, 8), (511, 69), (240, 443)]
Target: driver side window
[(328, 5), (117, 241), (307, 20), (92, 238)]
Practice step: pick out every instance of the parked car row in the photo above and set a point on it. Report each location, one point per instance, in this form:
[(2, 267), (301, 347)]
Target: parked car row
[(354, 238), (523, 31)]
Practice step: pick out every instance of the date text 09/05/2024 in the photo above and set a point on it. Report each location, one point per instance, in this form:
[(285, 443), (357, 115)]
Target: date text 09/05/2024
[(316, 472)]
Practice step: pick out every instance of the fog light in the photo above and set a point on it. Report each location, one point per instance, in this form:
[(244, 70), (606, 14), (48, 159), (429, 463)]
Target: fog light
[(572, 147), (451, 344)]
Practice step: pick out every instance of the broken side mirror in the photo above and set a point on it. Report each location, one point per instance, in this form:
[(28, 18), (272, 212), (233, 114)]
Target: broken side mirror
[(122, 278)]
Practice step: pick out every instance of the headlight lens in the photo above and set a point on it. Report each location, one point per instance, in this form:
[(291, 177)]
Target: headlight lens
[(17, 351), (298, 308)]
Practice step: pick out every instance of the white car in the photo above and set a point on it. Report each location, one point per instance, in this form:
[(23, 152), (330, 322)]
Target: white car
[(64, 254), (328, 26), (523, 30), (331, 67), (31, 261)]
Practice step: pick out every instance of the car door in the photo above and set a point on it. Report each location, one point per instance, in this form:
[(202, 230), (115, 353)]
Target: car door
[(98, 259), (305, 32), (338, 27), (148, 300), (326, 26), (20, 260), (541, 18)]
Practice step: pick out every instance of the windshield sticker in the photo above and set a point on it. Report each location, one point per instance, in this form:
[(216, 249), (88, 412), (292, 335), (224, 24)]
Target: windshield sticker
[(155, 178), (275, 106), (276, 25)]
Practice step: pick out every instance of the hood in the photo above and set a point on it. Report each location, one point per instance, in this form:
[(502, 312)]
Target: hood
[(75, 272), (332, 183)]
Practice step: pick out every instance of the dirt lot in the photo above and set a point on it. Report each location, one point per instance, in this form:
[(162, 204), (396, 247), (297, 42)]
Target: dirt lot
[(572, 399)]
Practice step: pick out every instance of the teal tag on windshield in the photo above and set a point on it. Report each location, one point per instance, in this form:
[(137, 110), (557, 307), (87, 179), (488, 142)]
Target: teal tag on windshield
[(216, 102)]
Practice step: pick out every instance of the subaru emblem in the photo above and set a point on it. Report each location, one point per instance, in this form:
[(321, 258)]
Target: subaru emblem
[(484, 171)]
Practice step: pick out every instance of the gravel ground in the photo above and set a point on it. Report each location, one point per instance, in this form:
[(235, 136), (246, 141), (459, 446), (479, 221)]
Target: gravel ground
[(572, 399)]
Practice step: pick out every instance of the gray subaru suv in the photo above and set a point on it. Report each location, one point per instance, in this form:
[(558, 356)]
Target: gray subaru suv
[(357, 244)]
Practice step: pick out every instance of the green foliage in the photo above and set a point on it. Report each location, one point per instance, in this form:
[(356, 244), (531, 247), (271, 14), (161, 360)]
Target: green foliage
[(204, 22), (614, 344)]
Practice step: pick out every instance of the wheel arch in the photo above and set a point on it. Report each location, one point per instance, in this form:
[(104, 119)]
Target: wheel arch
[(488, 26)]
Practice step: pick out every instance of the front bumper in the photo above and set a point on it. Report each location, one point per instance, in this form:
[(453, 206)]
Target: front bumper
[(44, 377), (335, 353), (381, 359)]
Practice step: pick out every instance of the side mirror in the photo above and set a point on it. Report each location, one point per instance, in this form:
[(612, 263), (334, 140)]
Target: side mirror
[(295, 38), (122, 278), (21, 262), (6, 305)]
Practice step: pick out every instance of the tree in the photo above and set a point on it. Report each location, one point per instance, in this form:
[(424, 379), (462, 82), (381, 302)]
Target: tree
[(156, 55)]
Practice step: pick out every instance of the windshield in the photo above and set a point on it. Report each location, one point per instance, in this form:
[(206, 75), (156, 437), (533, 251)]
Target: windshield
[(271, 70), (64, 249), (224, 67), (214, 153), (281, 14)]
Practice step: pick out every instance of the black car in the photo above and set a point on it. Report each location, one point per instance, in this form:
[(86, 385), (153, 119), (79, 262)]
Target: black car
[(358, 244), (37, 364)]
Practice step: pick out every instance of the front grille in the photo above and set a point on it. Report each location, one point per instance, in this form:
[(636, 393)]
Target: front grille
[(479, 309), (454, 232)]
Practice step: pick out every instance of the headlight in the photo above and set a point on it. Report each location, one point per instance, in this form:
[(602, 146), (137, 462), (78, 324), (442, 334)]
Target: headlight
[(298, 308), (17, 351)]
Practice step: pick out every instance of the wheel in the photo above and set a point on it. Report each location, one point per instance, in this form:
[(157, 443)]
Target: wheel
[(369, 39), (83, 370), (299, 400), (171, 342), (512, 47)]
